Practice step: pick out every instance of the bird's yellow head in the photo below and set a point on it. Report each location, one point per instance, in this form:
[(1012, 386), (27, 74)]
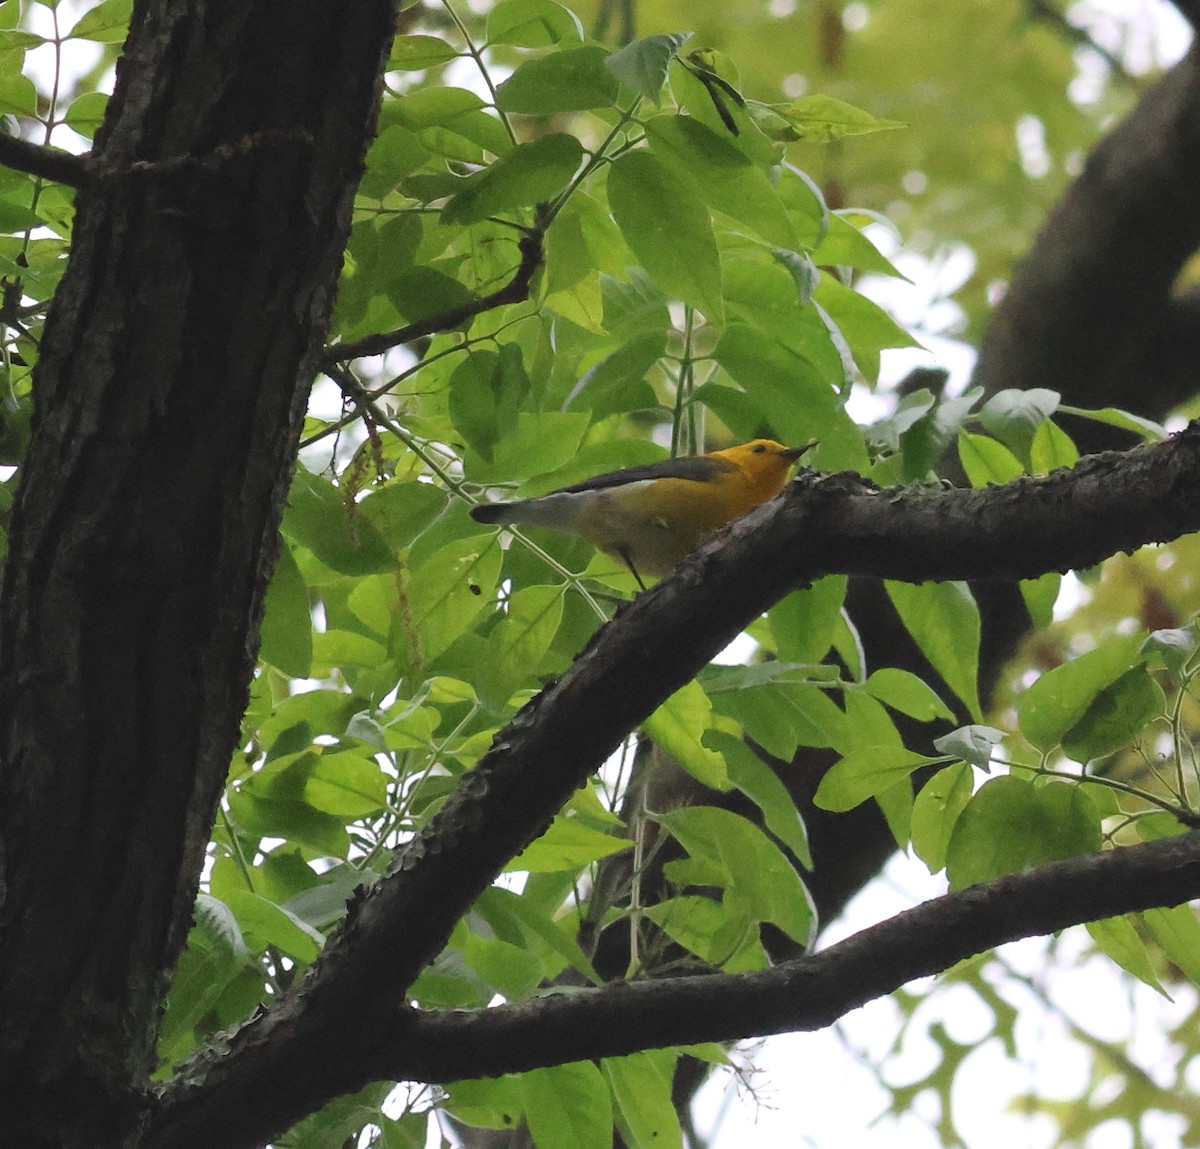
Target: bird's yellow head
[(763, 464)]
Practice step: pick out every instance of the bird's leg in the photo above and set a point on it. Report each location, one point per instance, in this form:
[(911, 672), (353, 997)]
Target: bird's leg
[(628, 561)]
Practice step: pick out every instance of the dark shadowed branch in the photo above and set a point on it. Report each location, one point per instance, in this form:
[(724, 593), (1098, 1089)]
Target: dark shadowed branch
[(51, 163)]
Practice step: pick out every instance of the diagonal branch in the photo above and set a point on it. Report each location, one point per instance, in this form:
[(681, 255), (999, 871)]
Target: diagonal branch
[(804, 994), (318, 1041), (37, 160)]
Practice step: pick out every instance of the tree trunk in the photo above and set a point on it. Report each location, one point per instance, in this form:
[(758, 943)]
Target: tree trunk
[(168, 401)]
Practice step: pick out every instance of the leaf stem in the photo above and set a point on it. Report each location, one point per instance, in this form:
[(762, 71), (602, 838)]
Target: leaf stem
[(477, 55)]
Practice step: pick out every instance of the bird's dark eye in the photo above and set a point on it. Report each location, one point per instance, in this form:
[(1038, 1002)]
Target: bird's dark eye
[(758, 448)]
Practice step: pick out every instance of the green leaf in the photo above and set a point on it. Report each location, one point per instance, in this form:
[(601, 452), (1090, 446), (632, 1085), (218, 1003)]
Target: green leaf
[(668, 228), (17, 40), (339, 649), (346, 784), (781, 718), (538, 923), (699, 85), (944, 621), (845, 246), (216, 952), (419, 292), (869, 726), (757, 874), (1013, 416), (572, 80), (803, 624), (18, 96), (1040, 595), (1060, 698), (754, 778), (16, 217), (786, 389), (529, 174), (718, 933), (1115, 417), (1178, 932), (487, 389), (866, 773), (401, 510), (396, 153), (568, 1107), (1171, 648), (86, 114), (295, 821), (265, 924), (1116, 716), (567, 845), (216, 928), (803, 271), (446, 592), (986, 461), (416, 53), (678, 725), (722, 175), (518, 644), (509, 969), (1118, 938), (487, 1103), (641, 1086), (1051, 448), (817, 119), (324, 904), (287, 624), (319, 518), (936, 809), (431, 106), (865, 326), (642, 66), (618, 382), (541, 443), (905, 692), (1011, 825), (107, 23), (532, 24)]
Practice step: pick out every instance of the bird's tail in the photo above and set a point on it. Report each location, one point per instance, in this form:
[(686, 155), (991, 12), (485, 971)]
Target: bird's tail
[(492, 513), (559, 509)]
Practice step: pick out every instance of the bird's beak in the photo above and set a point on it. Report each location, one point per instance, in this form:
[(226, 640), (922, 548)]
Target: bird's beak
[(793, 453)]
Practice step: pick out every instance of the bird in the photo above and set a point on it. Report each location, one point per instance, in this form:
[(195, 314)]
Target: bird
[(649, 517)]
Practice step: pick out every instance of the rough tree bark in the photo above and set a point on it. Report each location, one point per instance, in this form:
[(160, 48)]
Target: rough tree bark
[(168, 400)]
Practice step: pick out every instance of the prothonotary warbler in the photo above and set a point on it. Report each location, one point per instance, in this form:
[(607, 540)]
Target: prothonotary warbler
[(650, 517)]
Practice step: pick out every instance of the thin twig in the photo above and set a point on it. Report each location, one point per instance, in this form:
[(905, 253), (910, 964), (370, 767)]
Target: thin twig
[(514, 291)]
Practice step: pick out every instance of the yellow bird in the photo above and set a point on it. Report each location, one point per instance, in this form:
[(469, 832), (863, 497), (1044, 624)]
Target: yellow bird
[(650, 517)]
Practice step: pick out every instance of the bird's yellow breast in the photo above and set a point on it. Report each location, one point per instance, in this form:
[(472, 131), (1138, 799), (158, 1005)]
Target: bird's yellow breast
[(654, 524)]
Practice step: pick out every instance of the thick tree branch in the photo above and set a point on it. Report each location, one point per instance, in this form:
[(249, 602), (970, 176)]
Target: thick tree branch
[(804, 994), (514, 291), (37, 160), (312, 1045), (1090, 310)]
